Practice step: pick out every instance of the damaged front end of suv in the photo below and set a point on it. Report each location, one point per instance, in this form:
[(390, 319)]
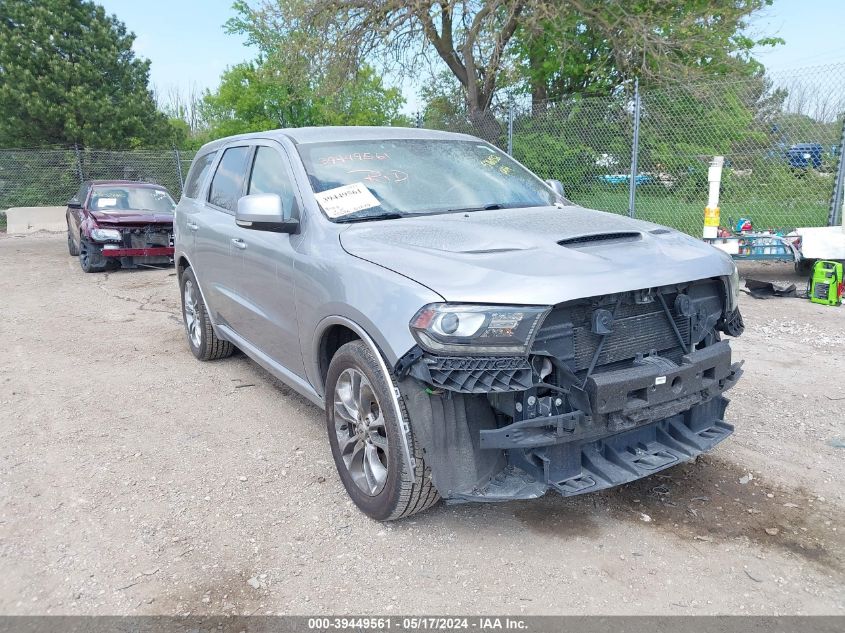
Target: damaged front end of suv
[(509, 402)]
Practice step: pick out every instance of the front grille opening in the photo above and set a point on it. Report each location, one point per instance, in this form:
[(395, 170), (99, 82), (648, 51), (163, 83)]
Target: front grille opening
[(639, 330), (636, 334)]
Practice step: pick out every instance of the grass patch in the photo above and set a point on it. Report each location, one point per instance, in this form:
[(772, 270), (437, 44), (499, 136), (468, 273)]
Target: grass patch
[(689, 217)]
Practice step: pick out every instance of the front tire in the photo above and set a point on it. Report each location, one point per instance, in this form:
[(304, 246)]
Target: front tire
[(365, 439), (91, 259), (204, 343)]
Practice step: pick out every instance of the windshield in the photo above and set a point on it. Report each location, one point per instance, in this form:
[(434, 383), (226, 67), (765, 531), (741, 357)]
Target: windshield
[(117, 198), (356, 180)]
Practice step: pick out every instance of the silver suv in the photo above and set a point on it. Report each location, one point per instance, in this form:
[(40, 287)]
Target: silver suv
[(471, 334)]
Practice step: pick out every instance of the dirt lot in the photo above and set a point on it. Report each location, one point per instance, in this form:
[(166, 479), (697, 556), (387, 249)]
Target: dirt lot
[(134, 479)]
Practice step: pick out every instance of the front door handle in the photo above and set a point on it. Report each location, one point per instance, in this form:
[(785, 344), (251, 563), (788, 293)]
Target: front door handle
[(238, 242), (192, 226)]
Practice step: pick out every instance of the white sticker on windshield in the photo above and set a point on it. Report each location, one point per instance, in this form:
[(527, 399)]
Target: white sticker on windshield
[(347, 199), (102, 203)]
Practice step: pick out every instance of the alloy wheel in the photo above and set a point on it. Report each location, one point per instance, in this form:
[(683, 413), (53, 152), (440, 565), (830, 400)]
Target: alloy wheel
[(192, 314), (361, 431)]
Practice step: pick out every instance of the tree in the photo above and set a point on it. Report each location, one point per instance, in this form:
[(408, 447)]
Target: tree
[(68, 75), (475, 39), (181, 104), (255, 96), (470, 37), (572, 53)]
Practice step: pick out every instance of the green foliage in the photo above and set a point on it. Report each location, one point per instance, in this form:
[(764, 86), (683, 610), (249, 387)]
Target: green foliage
[(577, 142), (68, 75), (364, 101), (34, 177), (256, 96), (180, 132), (582, 51)]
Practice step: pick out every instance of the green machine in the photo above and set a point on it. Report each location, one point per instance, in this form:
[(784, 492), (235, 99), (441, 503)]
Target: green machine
[(826, 283)]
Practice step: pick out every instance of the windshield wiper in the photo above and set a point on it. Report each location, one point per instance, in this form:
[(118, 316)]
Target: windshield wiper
[(368, 218), (486, 207)]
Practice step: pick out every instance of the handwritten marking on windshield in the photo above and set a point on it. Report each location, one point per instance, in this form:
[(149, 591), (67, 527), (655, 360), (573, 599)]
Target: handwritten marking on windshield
[(356, 156), (493, 160), (373, 175)]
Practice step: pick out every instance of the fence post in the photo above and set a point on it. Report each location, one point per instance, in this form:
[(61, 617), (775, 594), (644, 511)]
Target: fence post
[(510, 126), (78, 163), (635, 149), (179, 169), (836, 195)]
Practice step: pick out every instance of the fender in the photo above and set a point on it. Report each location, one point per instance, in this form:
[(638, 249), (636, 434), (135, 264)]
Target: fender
[(176, 258), (404, 428)]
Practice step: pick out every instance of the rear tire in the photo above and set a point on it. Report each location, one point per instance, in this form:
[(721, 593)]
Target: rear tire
[(72, 248), (204, 343), (365, 439)]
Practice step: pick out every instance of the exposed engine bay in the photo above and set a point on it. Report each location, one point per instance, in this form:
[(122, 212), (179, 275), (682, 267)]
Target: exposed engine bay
[(150, 245), (613, 388)]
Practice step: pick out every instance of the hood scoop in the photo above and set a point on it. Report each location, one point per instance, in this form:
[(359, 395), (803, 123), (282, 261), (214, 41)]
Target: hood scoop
[(597, 239)]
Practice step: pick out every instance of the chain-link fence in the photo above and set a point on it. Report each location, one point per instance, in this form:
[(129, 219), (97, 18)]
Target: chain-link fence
[(34, 177), (781, 136)]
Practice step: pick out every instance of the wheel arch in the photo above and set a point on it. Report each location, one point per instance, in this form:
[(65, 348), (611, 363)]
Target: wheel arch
[(324, 330), (331, 340), (182, 264)]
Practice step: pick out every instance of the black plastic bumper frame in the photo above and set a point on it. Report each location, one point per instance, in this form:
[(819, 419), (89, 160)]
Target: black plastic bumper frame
[(579, 467)]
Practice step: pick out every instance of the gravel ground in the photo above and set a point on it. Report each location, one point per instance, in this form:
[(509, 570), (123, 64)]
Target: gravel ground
[(135, 480)]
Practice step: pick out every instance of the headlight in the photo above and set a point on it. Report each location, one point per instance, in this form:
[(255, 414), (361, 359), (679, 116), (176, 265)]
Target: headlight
[(732, 291), (474, 329), (106, 235)]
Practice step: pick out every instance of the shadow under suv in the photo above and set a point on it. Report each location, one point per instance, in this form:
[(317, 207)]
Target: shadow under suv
[(471, 334)]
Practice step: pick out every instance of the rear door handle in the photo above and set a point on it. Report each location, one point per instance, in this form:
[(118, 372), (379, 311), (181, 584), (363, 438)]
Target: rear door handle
[(238, 242), (192, 226)]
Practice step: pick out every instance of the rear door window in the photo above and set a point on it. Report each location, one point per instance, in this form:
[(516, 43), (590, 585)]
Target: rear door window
[(228, 182), (197, 175), (270, 174)]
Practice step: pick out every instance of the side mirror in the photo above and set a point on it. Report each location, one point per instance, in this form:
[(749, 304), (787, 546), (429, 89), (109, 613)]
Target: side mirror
[(74, 204), (556, 186), (265, 212)]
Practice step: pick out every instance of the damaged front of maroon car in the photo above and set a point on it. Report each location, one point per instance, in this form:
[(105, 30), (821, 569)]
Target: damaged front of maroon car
[(120, 223)]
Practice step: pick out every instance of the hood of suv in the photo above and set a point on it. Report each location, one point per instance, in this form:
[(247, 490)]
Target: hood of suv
[(541, 256), (104, 218)]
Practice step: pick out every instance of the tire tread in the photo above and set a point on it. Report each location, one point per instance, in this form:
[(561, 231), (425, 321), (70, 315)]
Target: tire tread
[(215, 347), (420, 494)]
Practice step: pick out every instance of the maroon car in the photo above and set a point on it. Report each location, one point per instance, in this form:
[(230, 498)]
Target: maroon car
[(120, 223)]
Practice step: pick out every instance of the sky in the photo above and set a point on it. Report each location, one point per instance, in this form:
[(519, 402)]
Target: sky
[(184, 39), (186, 43)]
